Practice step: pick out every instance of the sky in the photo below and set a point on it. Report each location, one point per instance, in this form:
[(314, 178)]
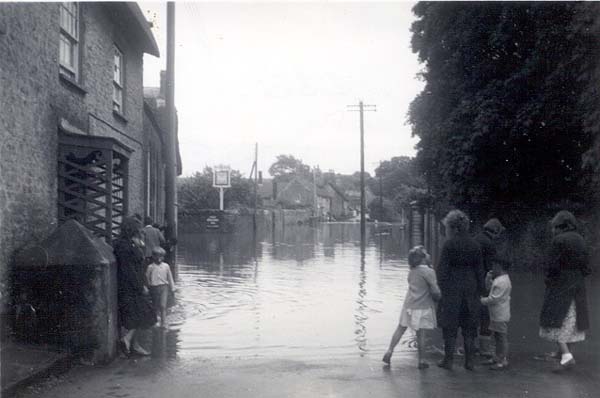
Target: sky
[(281, 74)]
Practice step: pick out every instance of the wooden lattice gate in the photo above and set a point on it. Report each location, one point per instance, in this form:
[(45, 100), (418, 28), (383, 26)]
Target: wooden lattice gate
[(93, 182)]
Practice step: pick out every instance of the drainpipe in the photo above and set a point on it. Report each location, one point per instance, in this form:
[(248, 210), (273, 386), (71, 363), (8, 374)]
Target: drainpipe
[(171, 170)]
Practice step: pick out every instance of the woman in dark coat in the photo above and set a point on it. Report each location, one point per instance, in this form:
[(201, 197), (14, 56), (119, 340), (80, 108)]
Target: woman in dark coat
[(564, 315), (135, 310), (461, 279)]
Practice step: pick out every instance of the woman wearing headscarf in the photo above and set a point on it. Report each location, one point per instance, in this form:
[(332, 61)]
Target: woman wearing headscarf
[(461, 280), (135, 310), (564, 315)]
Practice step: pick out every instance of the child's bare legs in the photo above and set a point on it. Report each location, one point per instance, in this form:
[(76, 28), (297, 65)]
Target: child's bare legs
[(163, 306), (501, 358), (421, 349), (395, 340), (163, 316)]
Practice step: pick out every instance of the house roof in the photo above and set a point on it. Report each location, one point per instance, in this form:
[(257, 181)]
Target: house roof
[(132, 17)]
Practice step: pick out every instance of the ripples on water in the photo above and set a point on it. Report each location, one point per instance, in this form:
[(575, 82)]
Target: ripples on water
[(310, 292), (299, 291)]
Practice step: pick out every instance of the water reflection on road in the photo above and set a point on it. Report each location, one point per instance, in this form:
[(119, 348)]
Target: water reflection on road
[(304, 291), (297, 290)]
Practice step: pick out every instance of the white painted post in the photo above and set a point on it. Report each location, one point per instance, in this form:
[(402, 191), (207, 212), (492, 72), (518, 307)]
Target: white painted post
[(221, 196)]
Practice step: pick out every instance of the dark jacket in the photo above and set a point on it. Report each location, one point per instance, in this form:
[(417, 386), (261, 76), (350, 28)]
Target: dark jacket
[(565, 271), (488, 249), (461, 279), (135, 310)]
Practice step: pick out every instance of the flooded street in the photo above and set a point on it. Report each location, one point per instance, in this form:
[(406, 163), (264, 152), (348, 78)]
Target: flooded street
[(296, 292), (302, 313), (309, 292)]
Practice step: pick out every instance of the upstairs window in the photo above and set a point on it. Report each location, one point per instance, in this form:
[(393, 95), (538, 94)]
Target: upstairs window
[(118, 81), (69, 40)]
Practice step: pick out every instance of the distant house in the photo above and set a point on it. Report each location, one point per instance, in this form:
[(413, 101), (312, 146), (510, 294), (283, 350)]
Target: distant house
[(326, 198), (338, 202), (72, 122), (353, 197), (296, 193)]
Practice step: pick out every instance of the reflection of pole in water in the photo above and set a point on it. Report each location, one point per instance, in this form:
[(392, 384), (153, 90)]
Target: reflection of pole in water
[(380, 250), (360, 316)]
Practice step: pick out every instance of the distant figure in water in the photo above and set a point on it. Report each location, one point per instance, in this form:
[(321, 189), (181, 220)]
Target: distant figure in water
[(418, 310), (564, 316)]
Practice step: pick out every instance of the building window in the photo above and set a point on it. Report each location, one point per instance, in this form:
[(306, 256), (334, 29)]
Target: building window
[(118, 81), (69, 39)]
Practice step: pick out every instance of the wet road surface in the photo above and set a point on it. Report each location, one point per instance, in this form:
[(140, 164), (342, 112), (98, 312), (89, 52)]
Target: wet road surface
[(303, 312)]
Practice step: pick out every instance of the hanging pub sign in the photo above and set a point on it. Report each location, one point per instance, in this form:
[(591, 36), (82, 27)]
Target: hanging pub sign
[(221, 180), (222, 177)]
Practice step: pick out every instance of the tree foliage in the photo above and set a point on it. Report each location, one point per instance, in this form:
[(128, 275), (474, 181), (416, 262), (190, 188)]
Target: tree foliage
[(287, 166), (197, 192), (504, 118)]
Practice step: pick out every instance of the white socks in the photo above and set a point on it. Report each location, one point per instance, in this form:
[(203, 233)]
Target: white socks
[(566, 358)]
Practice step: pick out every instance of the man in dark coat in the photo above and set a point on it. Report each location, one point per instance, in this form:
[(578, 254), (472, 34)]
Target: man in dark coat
[(461, 280), (488, 240)]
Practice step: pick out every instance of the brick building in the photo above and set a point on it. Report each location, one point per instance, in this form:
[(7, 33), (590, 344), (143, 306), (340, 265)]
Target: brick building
[(74, 139)]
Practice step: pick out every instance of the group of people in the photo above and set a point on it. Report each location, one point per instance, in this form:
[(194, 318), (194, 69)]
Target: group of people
[(144, 281), (470, 290)]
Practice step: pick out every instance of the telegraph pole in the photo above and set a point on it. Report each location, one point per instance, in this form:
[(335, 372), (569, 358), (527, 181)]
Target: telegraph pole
[(171, 169), (380, 191), (255, 168), (362, 108)]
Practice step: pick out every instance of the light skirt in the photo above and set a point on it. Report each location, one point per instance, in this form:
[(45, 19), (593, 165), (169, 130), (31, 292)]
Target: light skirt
[(568, 332), (418, 318)]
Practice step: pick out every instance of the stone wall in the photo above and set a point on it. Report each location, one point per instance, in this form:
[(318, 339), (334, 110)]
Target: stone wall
[(28, 123), (34, 101)]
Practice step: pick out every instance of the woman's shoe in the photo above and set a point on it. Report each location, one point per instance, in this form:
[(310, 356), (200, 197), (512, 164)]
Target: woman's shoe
[(445, 364), (139, 350), (499, 366), (562, 367), (491, 361), (123, 348)]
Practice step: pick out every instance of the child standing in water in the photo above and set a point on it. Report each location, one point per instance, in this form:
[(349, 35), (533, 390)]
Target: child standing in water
[(418, 311), (498, 302), (160, 281)]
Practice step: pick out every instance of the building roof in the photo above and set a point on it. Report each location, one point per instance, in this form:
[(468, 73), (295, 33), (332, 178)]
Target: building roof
[(133, 19)]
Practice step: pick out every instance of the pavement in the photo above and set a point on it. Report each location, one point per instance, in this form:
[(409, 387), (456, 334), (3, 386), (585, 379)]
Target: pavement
[(24, 364), (175, 375)]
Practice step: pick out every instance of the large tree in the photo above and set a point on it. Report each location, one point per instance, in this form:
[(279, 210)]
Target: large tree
[(501, 119)]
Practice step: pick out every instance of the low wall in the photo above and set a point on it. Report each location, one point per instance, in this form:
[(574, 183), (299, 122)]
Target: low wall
[(229, 220)]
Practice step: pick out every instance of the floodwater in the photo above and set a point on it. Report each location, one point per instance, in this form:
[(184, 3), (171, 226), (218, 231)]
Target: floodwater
[(295, 291), (310, 292)]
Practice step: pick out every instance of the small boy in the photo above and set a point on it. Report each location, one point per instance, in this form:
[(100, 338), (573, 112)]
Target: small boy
[(160, 280), (498, 303)]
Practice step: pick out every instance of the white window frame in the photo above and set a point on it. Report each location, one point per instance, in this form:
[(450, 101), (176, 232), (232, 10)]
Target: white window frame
[(118, 80), (70, 35)]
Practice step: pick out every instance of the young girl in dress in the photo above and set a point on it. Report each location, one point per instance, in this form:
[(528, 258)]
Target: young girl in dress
[(418, 311)]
